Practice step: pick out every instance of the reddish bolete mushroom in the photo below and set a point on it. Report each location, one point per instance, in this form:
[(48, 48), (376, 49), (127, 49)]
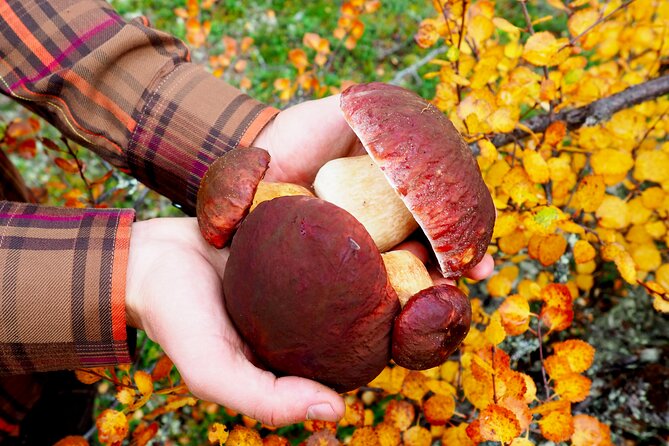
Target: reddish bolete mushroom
[(306, 288), (428, 165), (231, 187)]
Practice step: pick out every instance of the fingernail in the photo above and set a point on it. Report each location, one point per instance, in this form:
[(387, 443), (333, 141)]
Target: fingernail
[(321, 412)]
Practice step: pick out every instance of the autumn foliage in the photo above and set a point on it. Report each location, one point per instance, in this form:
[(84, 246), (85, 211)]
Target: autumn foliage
[(580, 207)]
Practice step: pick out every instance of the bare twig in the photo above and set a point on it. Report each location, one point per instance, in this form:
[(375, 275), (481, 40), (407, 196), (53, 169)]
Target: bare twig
[(590, 114), (413, 68), (80, 168), (601, 20)]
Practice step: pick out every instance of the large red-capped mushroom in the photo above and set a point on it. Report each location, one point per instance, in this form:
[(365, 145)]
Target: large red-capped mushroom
[(428, 165), (306, 288)]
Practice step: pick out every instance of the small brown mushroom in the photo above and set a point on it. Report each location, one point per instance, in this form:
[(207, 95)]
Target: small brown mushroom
[(430, 327), (232, 187)]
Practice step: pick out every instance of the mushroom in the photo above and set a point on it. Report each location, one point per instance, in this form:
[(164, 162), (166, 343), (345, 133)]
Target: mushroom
[(306, 288), (434, 319), (428, 166), (232, 187)]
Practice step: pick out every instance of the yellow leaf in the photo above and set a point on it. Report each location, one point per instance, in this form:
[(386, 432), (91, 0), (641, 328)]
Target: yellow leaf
[(583, 251), (588, 431), (647, 257), (557, 366), (217, 433), (299, 59), (112, 426), (542, 48), (428, 33), (581, 21), (521, 441), (613, 213), (126, 396), (415, 386), (612, 164), (515, 315), (174, 403), (417, 436), (622, 259), (498, 424), (144, 382), (502, 120), (579, 354), (499, 286), (536, 167), (590, 193), (557, 425), (653, 197), (480, 28), (439, 387), (494, 332), (652, 165), (457, 435)]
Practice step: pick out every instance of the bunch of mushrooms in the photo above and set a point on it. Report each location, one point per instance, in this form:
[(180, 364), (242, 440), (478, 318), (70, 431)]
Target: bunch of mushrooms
[(310, 284)]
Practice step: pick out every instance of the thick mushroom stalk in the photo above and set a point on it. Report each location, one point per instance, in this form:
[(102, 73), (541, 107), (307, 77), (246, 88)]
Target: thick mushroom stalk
[(231, 187), (358, 185), (434, 319)]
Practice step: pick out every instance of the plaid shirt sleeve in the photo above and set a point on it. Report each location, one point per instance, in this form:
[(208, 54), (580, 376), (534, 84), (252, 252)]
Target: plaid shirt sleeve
[(125, 90), (129, 93), (62, 288)]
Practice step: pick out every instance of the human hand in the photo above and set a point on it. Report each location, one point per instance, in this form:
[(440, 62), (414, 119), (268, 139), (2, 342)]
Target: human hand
[(302, 138), (174, 293)]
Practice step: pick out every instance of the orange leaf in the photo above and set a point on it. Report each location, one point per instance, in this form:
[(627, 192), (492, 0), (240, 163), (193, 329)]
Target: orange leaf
[(498, 424), (415, 386), (520, 409), (438, 409), (557, 425), (573, 387), (217, 433), (583, 251), (399, 413), (556, 319), (388, 434), (364, 436), (173, 404), (72, 440), (354, 415), (323, 438), (588, 431), (243, 436), (551, 248), (162, 368), (515, 313), (299, 59), (90, 375), (555, 133), (275, 440), (112, 426), (428, 33), (557, 366), (457, 436), (474, 431), (578, 353), (69, 166), (144, 433)]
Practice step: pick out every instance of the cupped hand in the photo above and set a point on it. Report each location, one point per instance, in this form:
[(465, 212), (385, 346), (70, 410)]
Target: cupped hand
[(174, 293)]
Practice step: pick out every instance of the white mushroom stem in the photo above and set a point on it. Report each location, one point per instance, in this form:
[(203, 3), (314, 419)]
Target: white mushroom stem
[(406, 273), (267, 191), (357, 185)]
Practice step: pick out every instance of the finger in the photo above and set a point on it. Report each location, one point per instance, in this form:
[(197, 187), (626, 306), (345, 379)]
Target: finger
[(483, 269), (228, 378), (415, 248)]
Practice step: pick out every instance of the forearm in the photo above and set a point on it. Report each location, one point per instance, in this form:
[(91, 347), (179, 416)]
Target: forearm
[(125, 90)]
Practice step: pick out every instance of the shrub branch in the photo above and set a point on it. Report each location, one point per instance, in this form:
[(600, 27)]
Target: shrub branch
[(590, 114)]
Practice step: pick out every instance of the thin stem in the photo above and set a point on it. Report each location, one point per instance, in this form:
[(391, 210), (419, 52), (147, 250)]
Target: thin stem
[(80, 168), (541, 357)]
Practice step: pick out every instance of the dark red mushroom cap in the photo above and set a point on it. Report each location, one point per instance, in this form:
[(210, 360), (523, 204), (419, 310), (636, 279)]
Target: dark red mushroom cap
[(428, 163), (226, 192), (430, 327), (307, 290)]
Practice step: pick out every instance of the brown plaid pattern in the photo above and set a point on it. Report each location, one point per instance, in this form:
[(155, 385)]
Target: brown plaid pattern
[(125, 90), (129, 93), (62, 288)]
